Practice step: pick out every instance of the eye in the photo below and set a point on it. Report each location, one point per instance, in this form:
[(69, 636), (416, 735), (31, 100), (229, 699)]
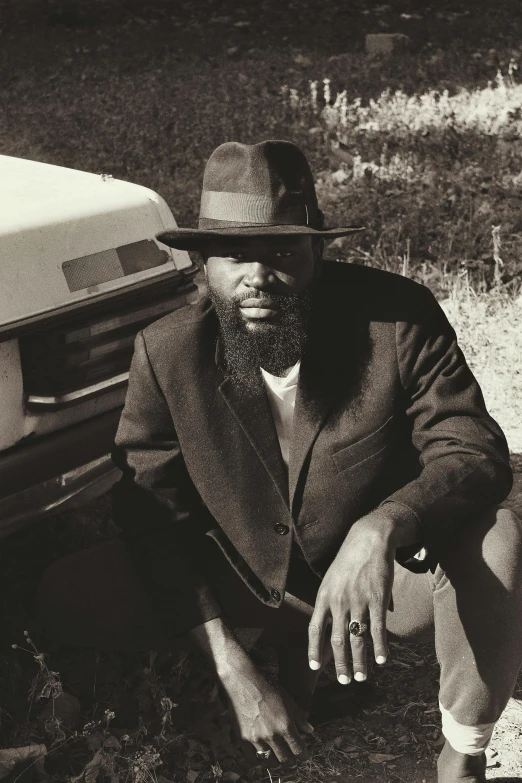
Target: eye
[(284, 254), (237, 256)]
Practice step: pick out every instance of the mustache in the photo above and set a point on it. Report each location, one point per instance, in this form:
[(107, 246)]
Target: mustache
[(255, 293)]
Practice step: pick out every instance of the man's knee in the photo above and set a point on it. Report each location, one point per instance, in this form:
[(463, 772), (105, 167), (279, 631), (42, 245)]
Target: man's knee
[(488, 550), (93, 598), (502, 548)]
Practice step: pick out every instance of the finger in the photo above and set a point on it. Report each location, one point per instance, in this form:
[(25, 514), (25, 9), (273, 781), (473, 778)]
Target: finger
[(358, 646), (340, 652), (378, 632), (316, 632), (297, 747), (281, 751), (303, 724)]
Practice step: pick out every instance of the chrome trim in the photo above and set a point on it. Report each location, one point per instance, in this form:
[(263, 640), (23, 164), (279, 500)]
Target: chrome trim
[(69, 490), (61, 401)]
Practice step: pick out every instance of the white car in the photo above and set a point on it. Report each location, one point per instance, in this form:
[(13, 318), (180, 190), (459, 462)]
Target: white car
[(80, 273)]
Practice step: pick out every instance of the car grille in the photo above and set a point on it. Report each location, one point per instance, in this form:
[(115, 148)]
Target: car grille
[(85, 351)]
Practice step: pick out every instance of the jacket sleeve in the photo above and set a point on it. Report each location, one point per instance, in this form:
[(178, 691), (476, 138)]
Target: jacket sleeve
[(155, 503), (462, 451)]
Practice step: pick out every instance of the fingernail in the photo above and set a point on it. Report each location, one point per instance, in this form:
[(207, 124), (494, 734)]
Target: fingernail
[(343, 679), (380, 659), (359, 676), (315, 665), (310, 728)]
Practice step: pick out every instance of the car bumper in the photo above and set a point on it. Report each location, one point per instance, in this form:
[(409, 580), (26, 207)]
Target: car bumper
[(62, 493), (57, 473)]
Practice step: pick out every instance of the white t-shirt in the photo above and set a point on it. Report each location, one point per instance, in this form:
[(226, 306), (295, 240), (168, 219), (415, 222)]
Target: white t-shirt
[(281, 396)]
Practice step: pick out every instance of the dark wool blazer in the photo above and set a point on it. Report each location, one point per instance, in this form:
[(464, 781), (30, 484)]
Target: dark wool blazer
[(387, 410)]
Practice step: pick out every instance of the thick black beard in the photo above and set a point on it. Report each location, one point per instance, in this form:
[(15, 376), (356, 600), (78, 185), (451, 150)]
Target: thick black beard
[(273, 346)]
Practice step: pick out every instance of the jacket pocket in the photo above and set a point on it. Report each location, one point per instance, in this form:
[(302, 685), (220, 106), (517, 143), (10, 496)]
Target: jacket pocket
[(369, 446)]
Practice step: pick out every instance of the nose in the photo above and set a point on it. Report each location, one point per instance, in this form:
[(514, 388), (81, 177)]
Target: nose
[(259, 276)]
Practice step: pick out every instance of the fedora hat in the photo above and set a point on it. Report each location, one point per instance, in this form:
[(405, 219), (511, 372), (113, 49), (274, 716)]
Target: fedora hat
[(254, 190)]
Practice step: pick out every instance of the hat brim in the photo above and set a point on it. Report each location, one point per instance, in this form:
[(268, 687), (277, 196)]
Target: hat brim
[(196, 238)]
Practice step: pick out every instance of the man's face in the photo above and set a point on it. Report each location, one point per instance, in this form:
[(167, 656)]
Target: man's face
[(261, 290), (254, 271)]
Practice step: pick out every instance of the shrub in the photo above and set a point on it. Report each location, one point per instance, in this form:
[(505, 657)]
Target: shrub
[(428, 174)]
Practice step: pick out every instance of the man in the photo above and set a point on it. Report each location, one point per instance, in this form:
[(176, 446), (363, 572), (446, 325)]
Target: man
[(306, 452)]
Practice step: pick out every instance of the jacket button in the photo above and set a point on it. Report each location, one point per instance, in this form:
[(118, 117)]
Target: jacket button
[(281, 529), (276, 595)]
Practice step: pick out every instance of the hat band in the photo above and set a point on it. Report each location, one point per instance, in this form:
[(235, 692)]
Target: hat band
[(250, 209)]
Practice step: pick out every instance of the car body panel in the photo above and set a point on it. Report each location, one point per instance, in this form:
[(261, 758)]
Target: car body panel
[(51, 216), (81, 272)]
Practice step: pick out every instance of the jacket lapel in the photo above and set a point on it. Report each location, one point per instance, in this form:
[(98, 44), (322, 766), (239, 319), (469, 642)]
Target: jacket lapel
[(255, 418), (310, 412)]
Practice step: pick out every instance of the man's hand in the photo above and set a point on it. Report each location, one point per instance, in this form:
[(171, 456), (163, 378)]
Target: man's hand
[(265, 717), (357, 587)]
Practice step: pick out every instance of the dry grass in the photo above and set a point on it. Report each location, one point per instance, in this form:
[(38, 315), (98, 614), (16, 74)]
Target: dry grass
[(489, 329), (429, 174)]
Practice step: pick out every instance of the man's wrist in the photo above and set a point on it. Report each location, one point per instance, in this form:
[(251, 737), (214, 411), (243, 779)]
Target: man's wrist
[(217, 641), (405, 527), (235, 664), (393, 524)]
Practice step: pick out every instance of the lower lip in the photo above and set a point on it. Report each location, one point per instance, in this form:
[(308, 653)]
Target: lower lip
[(258, 313)]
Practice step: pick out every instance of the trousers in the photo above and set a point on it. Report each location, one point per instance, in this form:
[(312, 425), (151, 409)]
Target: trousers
[(472, 602)]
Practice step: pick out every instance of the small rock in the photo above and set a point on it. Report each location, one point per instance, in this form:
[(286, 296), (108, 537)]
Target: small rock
[(233, 51), (303, 61), (386, 44)]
